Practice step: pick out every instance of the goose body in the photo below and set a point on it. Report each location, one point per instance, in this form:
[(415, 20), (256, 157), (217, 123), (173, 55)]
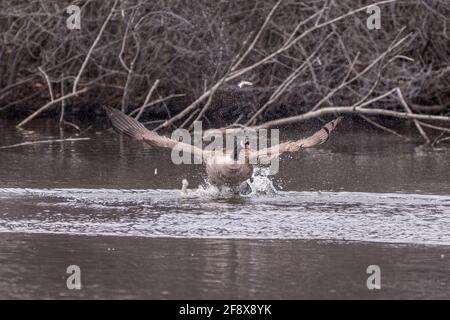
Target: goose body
[(228, 168), (225, 171)]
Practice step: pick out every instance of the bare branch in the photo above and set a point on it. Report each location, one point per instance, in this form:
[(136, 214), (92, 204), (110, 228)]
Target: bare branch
[(409, 111), (50, 104), (86, 60), (147, 99), (32, 143), (49, 84)]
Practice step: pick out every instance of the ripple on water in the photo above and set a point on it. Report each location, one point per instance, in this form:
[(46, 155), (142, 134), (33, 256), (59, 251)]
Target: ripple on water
[(398, 218)]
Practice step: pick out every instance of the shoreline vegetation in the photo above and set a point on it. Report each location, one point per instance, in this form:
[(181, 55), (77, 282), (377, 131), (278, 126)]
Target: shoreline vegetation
[(231, 64)]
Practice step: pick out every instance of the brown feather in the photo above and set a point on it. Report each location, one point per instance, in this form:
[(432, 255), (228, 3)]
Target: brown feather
[(134, 129), (316, 139)]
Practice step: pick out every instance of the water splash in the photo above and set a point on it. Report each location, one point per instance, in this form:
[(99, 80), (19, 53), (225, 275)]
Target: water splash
[(262, 183), (259, 185), (375, 217)]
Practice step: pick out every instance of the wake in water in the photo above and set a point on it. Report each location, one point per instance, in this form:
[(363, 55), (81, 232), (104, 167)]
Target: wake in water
[(259, 185), (207, 212)]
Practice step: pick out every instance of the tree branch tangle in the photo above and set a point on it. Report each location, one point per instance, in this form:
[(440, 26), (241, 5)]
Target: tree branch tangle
[(171, 62)]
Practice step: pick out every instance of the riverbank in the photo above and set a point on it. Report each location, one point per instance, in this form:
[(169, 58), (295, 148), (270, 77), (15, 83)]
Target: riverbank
[(182, 62)]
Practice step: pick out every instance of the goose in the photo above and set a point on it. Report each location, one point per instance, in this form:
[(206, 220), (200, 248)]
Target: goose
[(229, 168)]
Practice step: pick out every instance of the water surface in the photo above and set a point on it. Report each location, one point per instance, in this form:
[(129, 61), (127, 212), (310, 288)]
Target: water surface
[(363, 198)]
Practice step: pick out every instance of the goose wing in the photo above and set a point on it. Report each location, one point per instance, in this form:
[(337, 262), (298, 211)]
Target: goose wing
[(134, 129), (316, 139)]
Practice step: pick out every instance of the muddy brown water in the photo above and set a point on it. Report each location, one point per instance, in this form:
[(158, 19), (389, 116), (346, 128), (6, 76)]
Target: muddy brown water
[(113, 207)]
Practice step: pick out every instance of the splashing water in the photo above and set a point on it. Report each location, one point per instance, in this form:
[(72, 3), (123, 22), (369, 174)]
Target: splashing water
[(393, 194), (259, 185), (399, 218), (262, 184)]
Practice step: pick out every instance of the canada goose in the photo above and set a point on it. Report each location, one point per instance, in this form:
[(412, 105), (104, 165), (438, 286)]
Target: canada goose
[(223, 168), (228, 168)]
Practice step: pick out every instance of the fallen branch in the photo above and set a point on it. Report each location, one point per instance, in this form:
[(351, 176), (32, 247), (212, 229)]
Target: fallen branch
[(416, 122), (30, 143), (381, 127), (350, 110), (50, 104)]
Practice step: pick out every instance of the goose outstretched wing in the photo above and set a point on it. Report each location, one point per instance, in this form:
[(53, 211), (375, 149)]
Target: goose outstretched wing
[(316, 139), (134, 129)]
